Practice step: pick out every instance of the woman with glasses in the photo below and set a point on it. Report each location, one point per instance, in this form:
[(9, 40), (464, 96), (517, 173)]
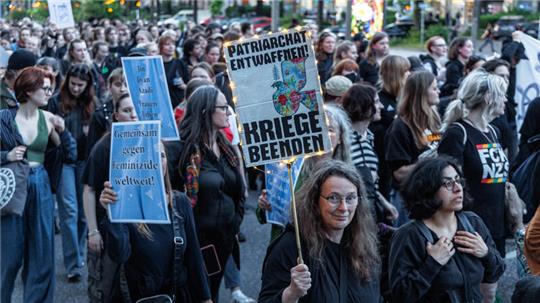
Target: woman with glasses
[(433, 60), (444, 254), (339, 244), (28, 235), (75, 103), (210, 173)]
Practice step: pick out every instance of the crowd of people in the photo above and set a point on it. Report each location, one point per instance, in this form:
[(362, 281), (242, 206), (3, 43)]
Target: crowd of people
[(411, 203)]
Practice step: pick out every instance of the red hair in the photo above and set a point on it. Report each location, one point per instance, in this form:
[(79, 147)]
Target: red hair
[(30, 80)]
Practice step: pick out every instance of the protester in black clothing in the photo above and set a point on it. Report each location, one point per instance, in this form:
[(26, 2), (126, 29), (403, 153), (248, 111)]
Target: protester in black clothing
[(461, 49), (508, 134), (474, 63), (437, 49), (339, 244), (148, 251), (529, 128), (378, 49), (414, 133), (475, 144), (444, 254), (103, 277), (101, 120), (324, 52), (210, 174), (193, 53), (175, 71), (394, 72)]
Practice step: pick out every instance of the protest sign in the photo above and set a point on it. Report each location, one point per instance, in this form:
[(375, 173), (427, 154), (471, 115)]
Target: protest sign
[(60, 13), (147, 84), (136, 173), (278, 190), (527, 76), (278, 97)]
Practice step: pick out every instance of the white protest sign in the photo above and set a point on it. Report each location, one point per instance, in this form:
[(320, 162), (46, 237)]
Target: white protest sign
[(527, 76), (60, 13), (278, 97)]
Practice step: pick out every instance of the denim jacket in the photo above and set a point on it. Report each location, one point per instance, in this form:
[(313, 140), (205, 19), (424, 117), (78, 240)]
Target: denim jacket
[(11, 138)]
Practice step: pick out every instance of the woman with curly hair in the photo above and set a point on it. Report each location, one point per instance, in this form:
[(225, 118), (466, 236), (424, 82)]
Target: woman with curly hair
[(339, 244), (444, 254)]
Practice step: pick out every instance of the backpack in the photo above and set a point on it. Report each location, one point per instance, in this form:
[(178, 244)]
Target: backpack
[(524, 182)]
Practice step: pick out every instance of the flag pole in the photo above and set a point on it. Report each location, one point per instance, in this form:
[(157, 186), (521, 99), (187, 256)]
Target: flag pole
[(294, 215)]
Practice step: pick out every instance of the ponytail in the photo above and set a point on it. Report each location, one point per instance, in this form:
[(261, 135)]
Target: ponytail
[(454, 111)]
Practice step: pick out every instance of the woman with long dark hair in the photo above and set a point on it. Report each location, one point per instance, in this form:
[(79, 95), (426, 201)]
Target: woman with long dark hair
[(210, 173), (378, 49), (75, 103), (148, 250), (461, 49), (339, 244)]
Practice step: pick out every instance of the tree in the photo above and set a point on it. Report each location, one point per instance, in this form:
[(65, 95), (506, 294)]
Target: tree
[(215, 7)]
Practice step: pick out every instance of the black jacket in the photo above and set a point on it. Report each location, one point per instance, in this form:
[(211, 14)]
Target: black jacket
[(149, 263), (369, 72), (415, 275), (54, 155), (74, 123), (282, 255), (454, 73), (427, 59)]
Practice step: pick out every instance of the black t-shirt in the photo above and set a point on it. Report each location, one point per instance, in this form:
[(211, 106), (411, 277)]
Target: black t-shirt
[(485, 168), (324, 278), (400, 146), (96, 171)]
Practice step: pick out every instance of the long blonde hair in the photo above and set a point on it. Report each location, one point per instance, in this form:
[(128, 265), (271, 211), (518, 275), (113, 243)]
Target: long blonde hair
[(472, 94)]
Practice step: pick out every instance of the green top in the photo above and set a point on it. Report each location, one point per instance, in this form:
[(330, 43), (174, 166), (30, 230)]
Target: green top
[(35, 152)]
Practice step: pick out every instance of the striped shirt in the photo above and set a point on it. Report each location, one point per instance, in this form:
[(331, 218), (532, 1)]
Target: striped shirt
[(363, 154)]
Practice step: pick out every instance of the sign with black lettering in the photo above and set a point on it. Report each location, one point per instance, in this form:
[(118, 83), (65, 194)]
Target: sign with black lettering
[(278, 97)]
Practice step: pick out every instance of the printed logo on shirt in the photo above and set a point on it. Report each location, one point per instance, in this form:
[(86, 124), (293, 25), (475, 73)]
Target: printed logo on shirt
[(434, 137), (494, 163)]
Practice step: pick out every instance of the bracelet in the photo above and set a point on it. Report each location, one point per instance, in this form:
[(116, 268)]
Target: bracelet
[(93, 232)]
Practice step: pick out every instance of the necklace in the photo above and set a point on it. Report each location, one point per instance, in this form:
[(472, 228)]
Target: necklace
[(480, 131)]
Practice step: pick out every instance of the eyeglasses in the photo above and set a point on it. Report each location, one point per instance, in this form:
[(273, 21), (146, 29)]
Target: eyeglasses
[(336, 199), (440, 45), (224, 108), (47, 89), (450, 184)]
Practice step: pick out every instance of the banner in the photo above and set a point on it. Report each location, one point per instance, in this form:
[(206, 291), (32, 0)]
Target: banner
[(278, 97), (527, 76), (136, 173), (147, 84), (60, 13), (278, 191)]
